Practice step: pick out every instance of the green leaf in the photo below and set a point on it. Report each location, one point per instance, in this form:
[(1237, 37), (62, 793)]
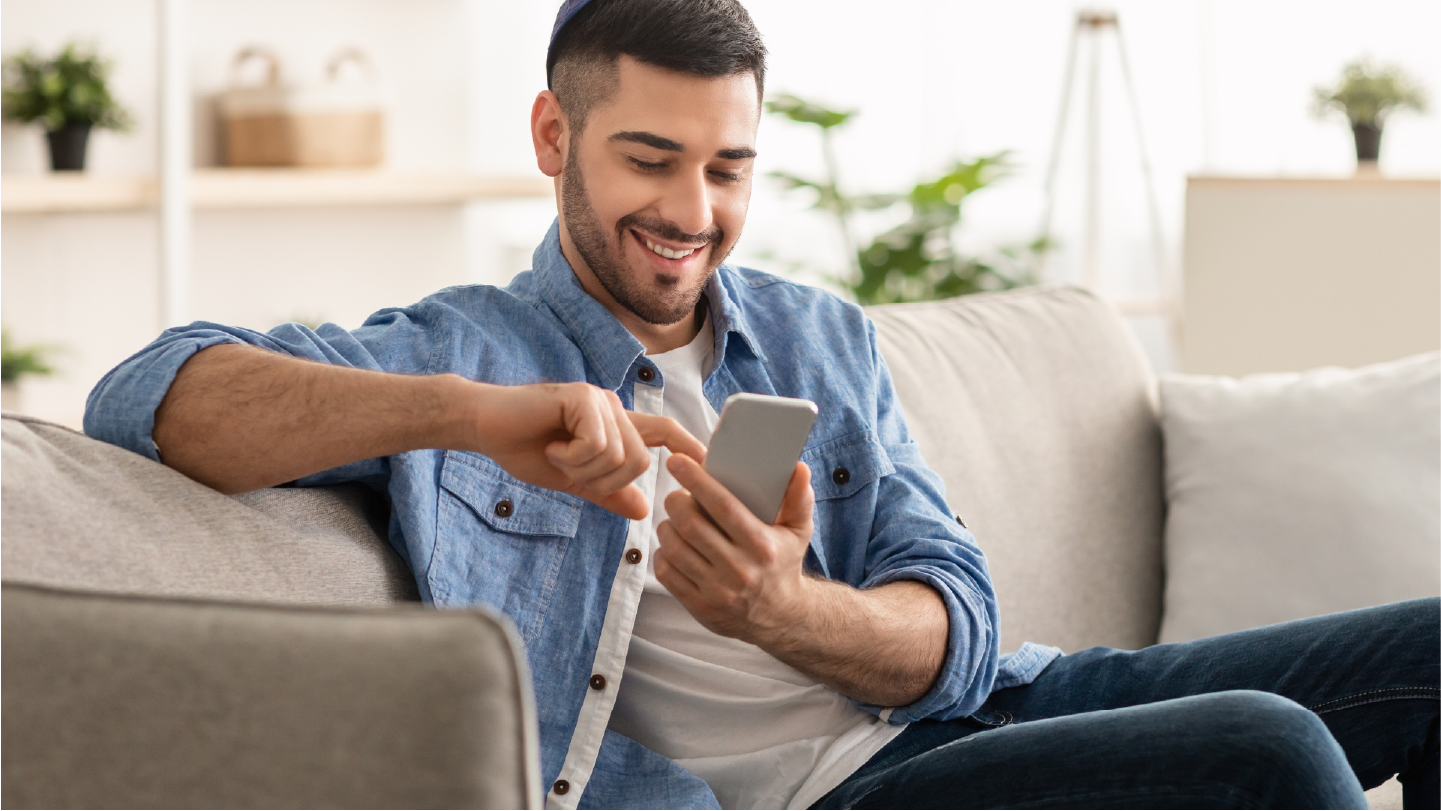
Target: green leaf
[(963, 178), (16, 362), (71, 88), (805, 112), (1366, 92)]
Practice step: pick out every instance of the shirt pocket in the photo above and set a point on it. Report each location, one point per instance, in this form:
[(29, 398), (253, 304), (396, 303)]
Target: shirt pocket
[(500, 541), (843, 466)]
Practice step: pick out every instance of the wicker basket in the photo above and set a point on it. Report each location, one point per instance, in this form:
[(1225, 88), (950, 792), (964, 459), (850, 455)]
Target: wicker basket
[(331, 124)]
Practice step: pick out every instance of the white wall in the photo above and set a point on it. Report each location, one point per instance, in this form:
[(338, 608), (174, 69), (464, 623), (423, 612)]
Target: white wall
[(87, 283)]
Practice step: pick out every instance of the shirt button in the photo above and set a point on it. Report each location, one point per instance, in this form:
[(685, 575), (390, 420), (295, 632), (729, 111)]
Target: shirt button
[(841, 475), (597, 682), (646, 374), (560, 787), (504, 508), (633, 556), (962, 523)]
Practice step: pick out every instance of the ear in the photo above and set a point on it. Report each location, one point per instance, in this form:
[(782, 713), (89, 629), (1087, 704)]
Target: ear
[(547, 132)]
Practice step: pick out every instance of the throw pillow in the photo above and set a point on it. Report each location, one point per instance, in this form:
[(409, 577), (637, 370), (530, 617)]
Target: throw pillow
[(1292, 495)]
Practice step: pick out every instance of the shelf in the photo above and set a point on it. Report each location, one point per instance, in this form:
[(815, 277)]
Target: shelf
[(262, 188), (1359, 179)]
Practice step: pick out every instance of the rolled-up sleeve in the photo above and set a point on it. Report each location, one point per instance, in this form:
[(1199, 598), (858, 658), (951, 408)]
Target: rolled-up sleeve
[(914, 536), (121, 408)]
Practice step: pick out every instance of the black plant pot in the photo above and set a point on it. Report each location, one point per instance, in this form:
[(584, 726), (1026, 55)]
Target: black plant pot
[(67, 147), (1368, 142)]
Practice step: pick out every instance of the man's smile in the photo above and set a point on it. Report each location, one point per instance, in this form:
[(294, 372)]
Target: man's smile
[(668, 255)]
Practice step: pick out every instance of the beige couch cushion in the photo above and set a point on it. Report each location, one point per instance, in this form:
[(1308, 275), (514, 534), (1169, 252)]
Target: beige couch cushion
[(85, 514), (1038, 411), (142, 702)]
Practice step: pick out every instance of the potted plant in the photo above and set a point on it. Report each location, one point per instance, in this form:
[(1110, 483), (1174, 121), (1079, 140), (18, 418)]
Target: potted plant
[(16, 363), (917, 260), (67, 95), (1367, 93)]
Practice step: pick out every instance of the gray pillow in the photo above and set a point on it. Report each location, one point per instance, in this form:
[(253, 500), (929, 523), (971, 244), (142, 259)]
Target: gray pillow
[(1292, 495)]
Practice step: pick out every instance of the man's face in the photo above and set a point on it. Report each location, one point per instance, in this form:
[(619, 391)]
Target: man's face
[(655, 188)]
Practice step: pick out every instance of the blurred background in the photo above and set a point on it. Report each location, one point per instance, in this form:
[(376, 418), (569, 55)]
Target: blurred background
[(260, 161)]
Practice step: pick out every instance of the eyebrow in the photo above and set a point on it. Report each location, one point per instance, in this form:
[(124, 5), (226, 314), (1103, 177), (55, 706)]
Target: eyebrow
[(650, 139), (736, 153)]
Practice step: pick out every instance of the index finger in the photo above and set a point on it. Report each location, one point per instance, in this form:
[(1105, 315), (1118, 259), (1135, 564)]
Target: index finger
[(657, 430), (627, 502)]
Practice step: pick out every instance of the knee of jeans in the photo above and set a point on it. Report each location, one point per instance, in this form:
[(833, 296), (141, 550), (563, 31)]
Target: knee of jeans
[(1276, 745), (1275, 728)]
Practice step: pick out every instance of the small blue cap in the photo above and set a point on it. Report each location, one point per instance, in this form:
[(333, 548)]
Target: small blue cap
[(568, 9)]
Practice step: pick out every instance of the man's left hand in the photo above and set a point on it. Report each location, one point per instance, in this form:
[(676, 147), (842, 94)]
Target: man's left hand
[(738, 576)]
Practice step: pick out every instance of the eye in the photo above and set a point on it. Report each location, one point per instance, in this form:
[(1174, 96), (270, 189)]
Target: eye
[(645, 166), (726, 177)]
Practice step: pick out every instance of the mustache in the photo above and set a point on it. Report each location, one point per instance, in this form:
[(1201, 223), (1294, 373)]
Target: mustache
[(667, 230)]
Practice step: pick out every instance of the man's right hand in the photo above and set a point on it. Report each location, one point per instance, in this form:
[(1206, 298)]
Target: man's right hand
[(240, 418), (576, 438)]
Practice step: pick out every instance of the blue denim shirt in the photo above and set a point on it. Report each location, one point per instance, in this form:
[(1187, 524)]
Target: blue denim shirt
[(551, 562)]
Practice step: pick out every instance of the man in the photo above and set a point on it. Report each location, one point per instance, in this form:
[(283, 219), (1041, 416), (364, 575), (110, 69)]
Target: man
[(541, 446)]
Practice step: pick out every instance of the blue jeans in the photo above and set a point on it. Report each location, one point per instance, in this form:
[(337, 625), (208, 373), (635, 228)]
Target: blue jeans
[(1304, 714)]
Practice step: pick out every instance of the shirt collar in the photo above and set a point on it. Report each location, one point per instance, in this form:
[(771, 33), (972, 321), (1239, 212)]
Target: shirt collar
[(607, 345), (728, 309)]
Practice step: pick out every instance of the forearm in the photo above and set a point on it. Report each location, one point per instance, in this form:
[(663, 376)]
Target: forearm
[(883, 646), (239, 418)]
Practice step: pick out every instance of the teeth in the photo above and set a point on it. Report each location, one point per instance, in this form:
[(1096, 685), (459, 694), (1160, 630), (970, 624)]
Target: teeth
[(667, 252)]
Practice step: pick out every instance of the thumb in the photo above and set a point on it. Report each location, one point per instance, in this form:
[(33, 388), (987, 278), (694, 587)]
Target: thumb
[(798, 506)]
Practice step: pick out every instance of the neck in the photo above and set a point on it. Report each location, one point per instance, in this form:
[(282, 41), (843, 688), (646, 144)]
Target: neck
[(656, 338)]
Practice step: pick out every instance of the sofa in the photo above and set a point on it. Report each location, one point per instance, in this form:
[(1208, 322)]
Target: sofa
[(166, 645)]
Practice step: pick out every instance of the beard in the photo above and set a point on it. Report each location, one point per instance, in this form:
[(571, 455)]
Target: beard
[(666, 302)]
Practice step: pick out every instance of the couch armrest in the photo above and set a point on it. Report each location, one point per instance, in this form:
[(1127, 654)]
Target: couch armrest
[(121, 701)]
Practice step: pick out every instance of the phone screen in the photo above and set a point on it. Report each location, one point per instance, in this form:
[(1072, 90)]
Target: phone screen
[(755, 447)]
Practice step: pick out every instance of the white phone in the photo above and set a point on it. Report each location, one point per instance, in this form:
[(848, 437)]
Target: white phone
[(755, 447)]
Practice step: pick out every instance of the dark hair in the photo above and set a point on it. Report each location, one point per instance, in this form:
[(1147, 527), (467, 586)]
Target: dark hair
[(709, 38)]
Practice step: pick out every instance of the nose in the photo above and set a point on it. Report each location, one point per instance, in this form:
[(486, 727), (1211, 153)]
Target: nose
[(687, 202)]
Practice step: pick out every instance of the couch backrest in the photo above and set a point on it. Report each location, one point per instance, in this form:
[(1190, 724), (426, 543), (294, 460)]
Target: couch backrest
[(1038, 411), (81, 513), (1034, 406)]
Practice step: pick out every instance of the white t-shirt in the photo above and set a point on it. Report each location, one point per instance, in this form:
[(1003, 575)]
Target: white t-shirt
[(759, 732)]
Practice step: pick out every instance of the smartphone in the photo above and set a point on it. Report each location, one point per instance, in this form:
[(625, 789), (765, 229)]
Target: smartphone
[(755, 447)]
